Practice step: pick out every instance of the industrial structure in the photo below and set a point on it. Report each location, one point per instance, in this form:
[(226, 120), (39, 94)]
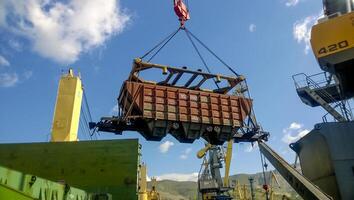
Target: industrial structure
[(189, 109), (326, 154), (71, 170), (67, 108), (187, 112), (210, 181), (143, 191)]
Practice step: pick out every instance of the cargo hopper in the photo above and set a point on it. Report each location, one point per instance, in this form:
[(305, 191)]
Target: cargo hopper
[(180, 106)]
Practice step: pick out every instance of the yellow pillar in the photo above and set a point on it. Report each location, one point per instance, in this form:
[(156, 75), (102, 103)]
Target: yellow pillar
[(143, 183), (67, 108), (228, 157), (153, 194)]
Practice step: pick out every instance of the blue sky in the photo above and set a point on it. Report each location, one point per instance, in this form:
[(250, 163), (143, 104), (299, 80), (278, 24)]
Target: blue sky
[(267, 41)]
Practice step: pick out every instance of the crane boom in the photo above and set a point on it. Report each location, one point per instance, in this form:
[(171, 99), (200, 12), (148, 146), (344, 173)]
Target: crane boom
[(301, 184), (201, 153)]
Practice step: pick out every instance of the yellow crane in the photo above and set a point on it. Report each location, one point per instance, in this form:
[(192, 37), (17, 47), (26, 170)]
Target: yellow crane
[(227, 158), (142, 182), (240, 192), (67, 108), (211, 184), (273, 183), (143, 192), (153, 193)]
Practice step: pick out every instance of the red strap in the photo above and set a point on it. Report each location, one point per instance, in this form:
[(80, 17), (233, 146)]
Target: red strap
[(265, 187), (181, 11)]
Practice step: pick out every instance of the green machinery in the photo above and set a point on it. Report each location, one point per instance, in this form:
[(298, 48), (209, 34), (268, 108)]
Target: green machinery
[(104, 167), (102, 170), (96, 167), (15, 185)]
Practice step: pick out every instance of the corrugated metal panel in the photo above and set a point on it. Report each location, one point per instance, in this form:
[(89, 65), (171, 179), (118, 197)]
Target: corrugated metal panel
[(194, 110), (170, 103), (15, 185)]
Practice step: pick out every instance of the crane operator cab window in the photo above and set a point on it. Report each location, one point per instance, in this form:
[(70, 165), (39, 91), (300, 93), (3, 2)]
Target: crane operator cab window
[(333, 7)]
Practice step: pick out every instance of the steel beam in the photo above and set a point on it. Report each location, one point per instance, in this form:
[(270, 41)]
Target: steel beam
[(305, 188)]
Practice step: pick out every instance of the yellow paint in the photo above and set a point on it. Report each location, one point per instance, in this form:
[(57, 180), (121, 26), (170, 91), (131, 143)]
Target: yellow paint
[(144, 194), (153, 194), (67, 109), (273, 181), (228, 156), (240, 192), (326, 36), (201, 153), (143, 183)]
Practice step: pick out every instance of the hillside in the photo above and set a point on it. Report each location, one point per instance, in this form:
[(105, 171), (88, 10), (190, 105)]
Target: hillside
[(174, 190)]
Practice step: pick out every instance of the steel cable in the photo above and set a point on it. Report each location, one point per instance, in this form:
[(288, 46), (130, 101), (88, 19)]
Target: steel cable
[(164, 45), (160, 43), (210, 51)]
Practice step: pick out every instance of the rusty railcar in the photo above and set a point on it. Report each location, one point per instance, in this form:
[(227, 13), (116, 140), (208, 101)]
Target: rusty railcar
[(187, 112)]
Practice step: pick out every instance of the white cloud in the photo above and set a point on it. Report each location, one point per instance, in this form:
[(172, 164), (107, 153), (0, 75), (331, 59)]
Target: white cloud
[(250, 147), (63, 30), (294, 132), (16, 45), (302, 30), (27, 75), (252, 28), (114, 110), (179, 177), (8, 79), (148, 178), (188, 150), (2, 13), (295, 126), (291, 3), (290, 137), (185, 153), (164, 147), (4, 61)]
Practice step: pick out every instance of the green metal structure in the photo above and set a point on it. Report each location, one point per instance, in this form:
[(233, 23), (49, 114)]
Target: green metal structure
[(94, 166), (16, 185)]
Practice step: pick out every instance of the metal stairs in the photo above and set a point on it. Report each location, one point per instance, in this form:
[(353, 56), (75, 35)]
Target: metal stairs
[(324, 93)]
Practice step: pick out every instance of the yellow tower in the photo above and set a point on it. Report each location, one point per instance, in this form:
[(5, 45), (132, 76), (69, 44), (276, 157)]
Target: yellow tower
[(228, 157), (153, 194), (67, 108), (143, 195)]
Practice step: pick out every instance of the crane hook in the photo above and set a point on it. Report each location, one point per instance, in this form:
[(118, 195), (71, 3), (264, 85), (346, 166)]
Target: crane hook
[(181, 11)]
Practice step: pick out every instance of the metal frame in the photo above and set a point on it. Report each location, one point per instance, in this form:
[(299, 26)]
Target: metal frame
[(139, 66), (249, 131), (337, 107)]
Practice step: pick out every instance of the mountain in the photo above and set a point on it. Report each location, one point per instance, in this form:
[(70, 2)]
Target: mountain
[(187, 190), (175, 190)]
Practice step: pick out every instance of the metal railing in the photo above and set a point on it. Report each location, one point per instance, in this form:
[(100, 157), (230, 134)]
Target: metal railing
[(313, 81), (323, 80)]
